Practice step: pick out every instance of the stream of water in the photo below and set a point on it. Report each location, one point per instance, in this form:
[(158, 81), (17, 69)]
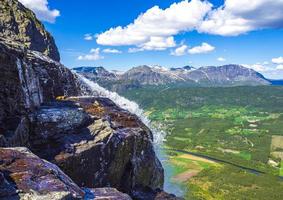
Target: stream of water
[(158, 135)]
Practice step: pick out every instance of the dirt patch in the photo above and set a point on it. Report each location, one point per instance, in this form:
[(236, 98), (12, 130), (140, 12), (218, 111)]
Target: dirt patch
[(196, 158), (277, 142), (185, 176), (277, 146)]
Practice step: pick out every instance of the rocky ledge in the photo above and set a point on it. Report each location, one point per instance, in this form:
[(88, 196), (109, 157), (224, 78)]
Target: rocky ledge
[(97, 144)]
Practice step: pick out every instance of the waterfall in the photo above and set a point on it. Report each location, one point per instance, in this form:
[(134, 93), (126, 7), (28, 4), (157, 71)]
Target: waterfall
[(30, 84), (132, 107)]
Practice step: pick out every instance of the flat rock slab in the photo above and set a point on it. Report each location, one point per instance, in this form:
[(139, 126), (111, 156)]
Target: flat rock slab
[(25, 176), (106, 194)]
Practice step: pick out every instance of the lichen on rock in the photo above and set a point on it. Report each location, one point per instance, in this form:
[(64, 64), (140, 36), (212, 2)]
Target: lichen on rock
[(25, 176)]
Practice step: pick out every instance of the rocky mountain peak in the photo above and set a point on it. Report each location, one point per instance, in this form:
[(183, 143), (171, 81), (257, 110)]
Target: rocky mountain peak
[(19, 24)]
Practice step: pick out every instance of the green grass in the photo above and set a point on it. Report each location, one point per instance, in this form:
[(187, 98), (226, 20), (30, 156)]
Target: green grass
[(230, 183), (281, 168), (245, 155)]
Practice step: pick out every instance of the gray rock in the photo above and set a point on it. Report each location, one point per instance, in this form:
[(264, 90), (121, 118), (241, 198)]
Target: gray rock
[(27, 80), (106, 194), (25, 176), (19, 24), (114, 150)]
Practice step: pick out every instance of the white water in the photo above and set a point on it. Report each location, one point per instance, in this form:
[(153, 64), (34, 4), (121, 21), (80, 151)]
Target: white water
[(132, 107)]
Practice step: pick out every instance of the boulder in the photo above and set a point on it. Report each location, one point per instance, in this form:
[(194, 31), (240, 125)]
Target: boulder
[(25, 176), (115, 149)]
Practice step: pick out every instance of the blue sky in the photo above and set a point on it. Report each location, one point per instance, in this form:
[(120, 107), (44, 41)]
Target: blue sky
[(122, 34)]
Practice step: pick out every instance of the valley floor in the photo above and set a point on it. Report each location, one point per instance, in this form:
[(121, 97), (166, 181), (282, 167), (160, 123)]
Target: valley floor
[(233, 135)]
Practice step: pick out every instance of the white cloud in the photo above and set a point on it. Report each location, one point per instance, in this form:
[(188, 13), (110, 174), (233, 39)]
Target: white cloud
[(236, 17), (111, 51), (88, 37), (158, 43), (269, 71), (94, 54), (233, 18), (42, 10), (134, 50), (221, 59), (154, 29), (258, 67), (180, 51), (203, 48), (278, 60)]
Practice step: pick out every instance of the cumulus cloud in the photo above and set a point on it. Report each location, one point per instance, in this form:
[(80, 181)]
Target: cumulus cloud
[(203, 48), (115, 51), (233, 18), (180, 51), (94, 54), (158, 43), (221, 59), (88, 37), (42, 10), (278, 60), (236, 17), (259, 67), (269, 70), (154, 29)]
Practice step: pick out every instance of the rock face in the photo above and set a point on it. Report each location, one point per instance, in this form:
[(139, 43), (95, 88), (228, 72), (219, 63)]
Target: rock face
[(114, 150), (97, 74), (25, 176), (19, 24), (28, 78)]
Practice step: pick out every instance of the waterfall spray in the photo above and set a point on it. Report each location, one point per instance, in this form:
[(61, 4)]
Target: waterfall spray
[(132, 107)]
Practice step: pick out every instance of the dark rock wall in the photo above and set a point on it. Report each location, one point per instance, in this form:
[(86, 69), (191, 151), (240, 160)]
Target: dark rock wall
[(28, 79)]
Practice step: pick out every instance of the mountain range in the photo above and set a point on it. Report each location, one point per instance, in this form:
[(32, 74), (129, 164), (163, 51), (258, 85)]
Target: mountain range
[(211, 76)]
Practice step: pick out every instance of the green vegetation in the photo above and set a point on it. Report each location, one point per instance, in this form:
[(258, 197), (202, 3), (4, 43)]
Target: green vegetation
[(227, 182), (241, 126), (281, 169)]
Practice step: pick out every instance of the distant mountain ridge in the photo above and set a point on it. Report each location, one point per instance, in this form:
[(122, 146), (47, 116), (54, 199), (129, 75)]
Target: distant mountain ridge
[(210, 76)]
